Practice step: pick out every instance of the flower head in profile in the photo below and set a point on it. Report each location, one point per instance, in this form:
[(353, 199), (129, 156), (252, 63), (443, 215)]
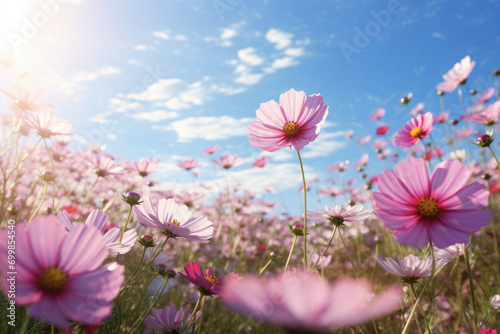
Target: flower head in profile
[(47, 125), (417, 128), (22, 100), (57, 271), (167, 320), (377, 114), (495, 302), (457, 75), (488, 116), (410, 268), (261, 162), (104, 166), (188, 164), (228, 161), (174, 220), (207, 282), (382, 130), (338, 214), (443, 208), (294, 122), (303, 302)]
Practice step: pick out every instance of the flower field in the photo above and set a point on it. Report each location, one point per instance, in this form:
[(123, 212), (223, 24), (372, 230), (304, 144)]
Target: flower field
[(92, 243)]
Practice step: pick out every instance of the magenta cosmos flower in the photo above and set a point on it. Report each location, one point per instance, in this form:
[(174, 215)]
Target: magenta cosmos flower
[(207, 282), (304, 302), (167, 320), (59, 274), (417, 128), (261, 162), (442, 208), (174, 220), (457, 75), (294, 122)]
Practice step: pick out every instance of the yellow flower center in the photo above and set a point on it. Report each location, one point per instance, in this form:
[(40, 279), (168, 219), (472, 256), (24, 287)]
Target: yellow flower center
[(175, 222), (53, 280), (212, 279), (290, 129), (428, 207), (416, 132)]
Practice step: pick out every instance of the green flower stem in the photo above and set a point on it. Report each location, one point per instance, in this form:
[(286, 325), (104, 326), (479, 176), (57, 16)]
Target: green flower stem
[(471, 283), (349, 256), (461, 97), (53, 182), (291, 251), (193, 315), (409, 111), (126, 223), (88, 193), (494, 155), (421, 309), (144, 314), (41, 202), (305, 208), (137, 268), (265, 267), (327, 246)]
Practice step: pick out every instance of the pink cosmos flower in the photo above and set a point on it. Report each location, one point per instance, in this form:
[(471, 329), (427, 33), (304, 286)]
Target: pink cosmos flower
[(488, 331), (46, 124), (174, 220), (382, 130), (417, 109), (294, 122), (143, 167), (363, 140), (207, 283), (442, 208), (417, 128), (188, 164), (348, 135), (261, 162), (59, 274), (167, 320), (495, 302), (382, 155), (441, 118), (303, 302), (308, 185), (104, 166), (377, 114), (97, 219), (211, 149), (363, 161), (485, 96), (340, 214), (228, 161), (339, 166), (409, 268), (22, 100), (488, 116), (457, 75)]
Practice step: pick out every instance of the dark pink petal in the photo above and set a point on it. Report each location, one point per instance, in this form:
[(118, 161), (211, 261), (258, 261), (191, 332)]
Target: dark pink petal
[(413, 174), (472, 196), (416, 235), (395, 222), (442, 236), (46, 249), (47, 308), (390, 185), (465, 220)]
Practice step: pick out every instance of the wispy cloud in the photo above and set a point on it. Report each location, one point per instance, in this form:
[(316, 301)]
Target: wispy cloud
[(91, 76), (155, 116), (280, 38)]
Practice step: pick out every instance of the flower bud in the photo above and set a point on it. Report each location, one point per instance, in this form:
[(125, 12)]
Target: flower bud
[(47, 176), (147, 241), (12, 211), (472, 92), (296, 229), (132, 198), (440, 93), (496, 73), (406, 99), (454, 121), (272, 256), (484, 141), (486, 176), (171, 273), (161, 269)]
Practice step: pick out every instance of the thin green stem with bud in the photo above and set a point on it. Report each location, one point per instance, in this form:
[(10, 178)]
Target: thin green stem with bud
[(53, 182), (291, 251), (126, 223), (421, 309), (327, 246), (305, 208), (495, 156), (193, 315), (348, 255), (471, 283), (265, 267)]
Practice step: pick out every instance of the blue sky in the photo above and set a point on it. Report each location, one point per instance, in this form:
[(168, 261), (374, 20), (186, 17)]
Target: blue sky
[(168, 78)]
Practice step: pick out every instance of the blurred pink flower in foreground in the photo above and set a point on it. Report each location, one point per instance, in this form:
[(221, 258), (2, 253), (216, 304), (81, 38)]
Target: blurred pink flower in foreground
[(167, 320), (382, 130), (207, 283), (457, 75), (174, 220), (294, 122), (417, 128), (443, 209), (304, 302), (57, 272), (488, 116), (47, 125), (228, 161)]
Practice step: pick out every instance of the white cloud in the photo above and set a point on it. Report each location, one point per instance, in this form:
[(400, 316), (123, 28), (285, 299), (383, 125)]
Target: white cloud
[(142, 47), (280, 38), (155, 116), (208, 128), (180, 37), (226, 44), (438, 35), (228, 33), (248, 56), (325, 144), (284, 62), (91, 76), (176, 104), (56, 82), (294, 52), (165, 34), (165, 89), (249, 78)]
